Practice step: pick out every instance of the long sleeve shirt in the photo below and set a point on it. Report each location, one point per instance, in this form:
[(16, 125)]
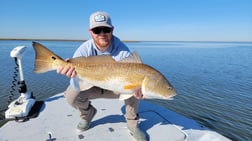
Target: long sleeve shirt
[(117, 49)]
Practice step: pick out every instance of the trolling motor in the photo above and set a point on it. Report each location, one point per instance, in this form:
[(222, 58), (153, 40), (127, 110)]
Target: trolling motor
[(20, 108)]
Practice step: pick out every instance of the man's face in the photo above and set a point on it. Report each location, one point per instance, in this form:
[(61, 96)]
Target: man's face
[(102, 36)]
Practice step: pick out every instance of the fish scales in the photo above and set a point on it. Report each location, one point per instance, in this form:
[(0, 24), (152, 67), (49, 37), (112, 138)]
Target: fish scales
[(125, 76)]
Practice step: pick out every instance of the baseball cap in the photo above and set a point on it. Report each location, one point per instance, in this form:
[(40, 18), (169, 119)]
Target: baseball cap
[(98, 19)]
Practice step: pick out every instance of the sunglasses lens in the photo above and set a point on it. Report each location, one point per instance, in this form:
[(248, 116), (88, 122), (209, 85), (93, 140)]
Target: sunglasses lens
[(107, 30), (99, 29), (96, 30)]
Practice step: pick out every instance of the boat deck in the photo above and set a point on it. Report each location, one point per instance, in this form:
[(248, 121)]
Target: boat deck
[(57, 122)]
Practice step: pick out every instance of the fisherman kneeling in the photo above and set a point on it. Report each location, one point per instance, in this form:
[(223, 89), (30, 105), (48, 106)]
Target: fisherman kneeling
[(103, 42)]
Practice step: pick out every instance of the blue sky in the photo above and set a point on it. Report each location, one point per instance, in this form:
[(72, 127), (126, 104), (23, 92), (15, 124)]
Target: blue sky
[(148, 20)]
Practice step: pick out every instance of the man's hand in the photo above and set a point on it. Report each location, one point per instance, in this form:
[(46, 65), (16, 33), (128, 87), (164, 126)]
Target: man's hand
[(138, 94), (67, 70)]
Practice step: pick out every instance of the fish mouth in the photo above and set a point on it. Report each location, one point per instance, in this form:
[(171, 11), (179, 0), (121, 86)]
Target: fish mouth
[(171, 95), (164, 97)]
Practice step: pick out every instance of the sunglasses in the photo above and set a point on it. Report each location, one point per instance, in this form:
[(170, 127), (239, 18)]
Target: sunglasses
[(98, 30)]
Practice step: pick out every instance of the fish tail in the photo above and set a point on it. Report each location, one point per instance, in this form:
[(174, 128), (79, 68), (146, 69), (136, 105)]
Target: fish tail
[(45, 60)]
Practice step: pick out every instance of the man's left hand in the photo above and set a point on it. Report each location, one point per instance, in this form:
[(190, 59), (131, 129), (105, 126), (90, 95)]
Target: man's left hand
[(138, 94)]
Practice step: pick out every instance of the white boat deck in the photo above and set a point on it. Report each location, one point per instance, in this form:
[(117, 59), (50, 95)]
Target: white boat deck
[(57, 122)]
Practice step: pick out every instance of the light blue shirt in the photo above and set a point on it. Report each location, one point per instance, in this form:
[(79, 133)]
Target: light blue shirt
[(117, 49)]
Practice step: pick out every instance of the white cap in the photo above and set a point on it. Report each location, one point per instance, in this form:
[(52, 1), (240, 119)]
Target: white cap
[(98, 19)]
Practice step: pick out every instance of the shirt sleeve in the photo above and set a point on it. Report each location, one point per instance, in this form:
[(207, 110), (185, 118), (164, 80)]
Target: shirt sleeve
[(83, 50), (120, 51)]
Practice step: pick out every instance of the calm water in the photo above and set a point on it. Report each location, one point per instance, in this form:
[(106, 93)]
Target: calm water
[(213, 80)]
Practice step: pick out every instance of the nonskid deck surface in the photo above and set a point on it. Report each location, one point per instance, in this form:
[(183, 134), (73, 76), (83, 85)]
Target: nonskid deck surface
[(57, 122)]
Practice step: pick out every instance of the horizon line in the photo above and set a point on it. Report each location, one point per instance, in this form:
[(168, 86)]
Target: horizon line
[(77, 40)]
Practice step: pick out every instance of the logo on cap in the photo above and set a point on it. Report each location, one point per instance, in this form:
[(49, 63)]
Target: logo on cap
[(100, 18)]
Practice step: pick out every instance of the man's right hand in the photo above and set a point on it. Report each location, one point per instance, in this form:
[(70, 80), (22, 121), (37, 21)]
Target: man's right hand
[(67, 70)]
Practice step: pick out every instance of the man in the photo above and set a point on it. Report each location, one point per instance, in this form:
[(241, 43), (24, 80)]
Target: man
[(103, 42)]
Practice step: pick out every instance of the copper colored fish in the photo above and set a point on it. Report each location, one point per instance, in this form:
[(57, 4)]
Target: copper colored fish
[(123, 77)]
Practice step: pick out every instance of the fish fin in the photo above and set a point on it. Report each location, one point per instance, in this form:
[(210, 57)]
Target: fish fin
[(44, 58), (137, 57), (134, 58), (132, 86), (125, 96)]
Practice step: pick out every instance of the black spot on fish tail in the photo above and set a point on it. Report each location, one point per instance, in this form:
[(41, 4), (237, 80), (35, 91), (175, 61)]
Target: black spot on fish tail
[(54, 58)]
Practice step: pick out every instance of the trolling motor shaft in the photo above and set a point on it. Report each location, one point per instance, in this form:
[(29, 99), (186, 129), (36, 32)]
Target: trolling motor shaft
[(20, 107), (22, 87)]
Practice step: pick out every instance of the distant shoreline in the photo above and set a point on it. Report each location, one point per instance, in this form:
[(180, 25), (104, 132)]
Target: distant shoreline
[(63, 40), (78, 40), (26, 39)]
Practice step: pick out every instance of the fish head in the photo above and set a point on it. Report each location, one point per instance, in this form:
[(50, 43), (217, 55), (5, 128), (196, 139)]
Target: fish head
[(157, 87)]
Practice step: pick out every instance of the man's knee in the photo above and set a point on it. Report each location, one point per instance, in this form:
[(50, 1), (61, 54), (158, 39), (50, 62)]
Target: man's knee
[(96, 92), (70, 95)]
